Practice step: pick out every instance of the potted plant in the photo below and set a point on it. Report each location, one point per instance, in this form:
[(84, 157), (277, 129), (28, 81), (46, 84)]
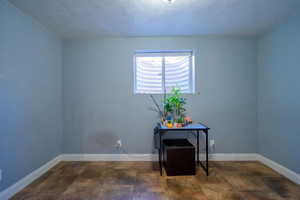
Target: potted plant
[(180, 122), (173, 109), (174, 105), (169, 124)]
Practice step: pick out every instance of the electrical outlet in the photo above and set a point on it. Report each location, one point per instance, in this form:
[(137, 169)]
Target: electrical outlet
[(212, 142), (119, 143)]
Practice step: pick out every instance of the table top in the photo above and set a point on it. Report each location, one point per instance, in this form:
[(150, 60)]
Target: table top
[(189, 127)]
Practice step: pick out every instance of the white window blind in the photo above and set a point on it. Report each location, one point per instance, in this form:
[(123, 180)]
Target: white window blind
[(159, 72)]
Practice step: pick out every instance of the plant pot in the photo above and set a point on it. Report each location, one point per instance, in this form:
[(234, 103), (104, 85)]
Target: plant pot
[(169, 125), (179, 125), (175, 125)]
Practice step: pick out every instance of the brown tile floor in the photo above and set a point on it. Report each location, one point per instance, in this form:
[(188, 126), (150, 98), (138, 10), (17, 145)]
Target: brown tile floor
[(141, 180)]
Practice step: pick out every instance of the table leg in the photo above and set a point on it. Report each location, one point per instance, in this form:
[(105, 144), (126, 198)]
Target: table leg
[(206, 136), (159, 154), (198, 161)]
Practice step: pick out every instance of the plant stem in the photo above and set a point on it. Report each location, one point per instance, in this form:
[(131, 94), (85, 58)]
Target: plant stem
[(156, 104)]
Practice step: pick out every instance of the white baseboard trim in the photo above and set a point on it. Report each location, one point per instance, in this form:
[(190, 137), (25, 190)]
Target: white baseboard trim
[(12, 190), (110, 157), (233, 157), (293, 176), (18, 186), (153, 157)]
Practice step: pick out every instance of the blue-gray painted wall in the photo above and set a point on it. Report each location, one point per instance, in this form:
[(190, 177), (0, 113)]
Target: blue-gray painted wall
[(30, 95), (279, 94), (100, 107), (234, 79)]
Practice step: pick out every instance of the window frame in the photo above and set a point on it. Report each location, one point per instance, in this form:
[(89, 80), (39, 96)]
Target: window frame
[(163, 54)]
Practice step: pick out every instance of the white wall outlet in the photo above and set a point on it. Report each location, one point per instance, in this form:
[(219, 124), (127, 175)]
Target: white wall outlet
[(119, 144), (212, 142)]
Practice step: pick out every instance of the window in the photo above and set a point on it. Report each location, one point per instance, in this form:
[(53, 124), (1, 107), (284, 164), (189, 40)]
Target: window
[(159, 72)]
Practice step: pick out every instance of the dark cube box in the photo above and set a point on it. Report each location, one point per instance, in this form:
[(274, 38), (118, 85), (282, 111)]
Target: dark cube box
[(179, 157)]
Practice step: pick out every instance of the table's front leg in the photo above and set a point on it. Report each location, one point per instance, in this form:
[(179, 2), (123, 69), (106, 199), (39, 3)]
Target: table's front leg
[(198, 148), (206, 137), (159, 153)]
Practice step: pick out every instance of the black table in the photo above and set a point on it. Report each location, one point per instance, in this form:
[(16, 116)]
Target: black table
[(161, 130)]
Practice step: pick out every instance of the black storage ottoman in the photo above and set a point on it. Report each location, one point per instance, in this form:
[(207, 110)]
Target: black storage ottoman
[(179, 157)]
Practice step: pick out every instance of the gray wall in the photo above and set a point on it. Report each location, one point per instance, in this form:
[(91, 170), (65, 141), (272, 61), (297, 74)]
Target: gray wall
[(279, 94), (100, 107), (30, 100)]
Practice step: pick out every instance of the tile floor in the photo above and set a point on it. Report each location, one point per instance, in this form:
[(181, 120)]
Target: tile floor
[(141, 180)]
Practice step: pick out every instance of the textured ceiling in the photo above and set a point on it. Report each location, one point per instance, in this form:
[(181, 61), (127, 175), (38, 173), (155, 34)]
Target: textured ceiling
[(92, 18)]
